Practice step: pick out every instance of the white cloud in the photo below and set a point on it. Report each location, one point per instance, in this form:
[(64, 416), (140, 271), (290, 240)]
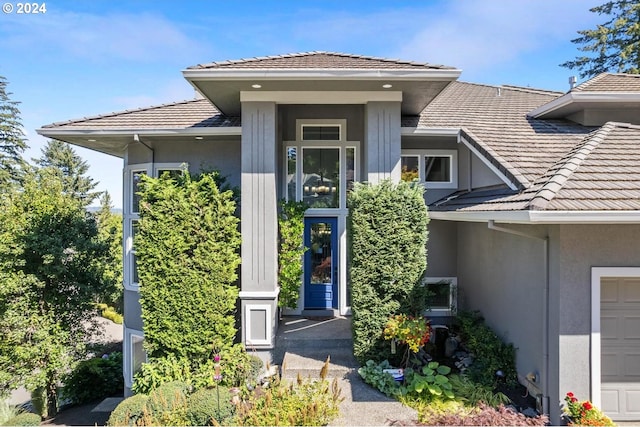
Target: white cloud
[(101, 38)]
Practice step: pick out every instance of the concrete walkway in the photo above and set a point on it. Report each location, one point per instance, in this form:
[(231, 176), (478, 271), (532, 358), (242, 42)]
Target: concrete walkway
[(303, 346)]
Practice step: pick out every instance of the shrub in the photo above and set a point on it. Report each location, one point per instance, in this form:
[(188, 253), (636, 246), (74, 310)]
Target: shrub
[(24, 419), (167, 405), (7, 411), (309, 403), (95, 379), (238, 368), (387, 246), (187, 257), (431, 380), (203, 407), (491, 353), (111, 314), (291, 228), (483, 415), (473, 393), (129, 411), (374, 375)]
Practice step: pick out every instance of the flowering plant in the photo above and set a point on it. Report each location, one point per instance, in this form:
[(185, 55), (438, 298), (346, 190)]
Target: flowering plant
[(414, 332), (583, 413)]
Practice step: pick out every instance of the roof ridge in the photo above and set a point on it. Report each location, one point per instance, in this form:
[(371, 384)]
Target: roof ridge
[(567, 165), (127, 111), (311, 53), (514, 88)]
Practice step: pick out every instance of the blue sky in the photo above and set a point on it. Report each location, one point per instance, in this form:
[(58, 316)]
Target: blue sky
[(83, 58)]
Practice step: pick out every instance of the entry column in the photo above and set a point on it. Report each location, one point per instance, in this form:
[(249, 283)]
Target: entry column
[(259, 225)]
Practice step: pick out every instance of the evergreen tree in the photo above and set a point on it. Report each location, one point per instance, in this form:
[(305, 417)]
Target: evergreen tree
[(50, 274), (110, 233), (62, 160), (12, 141), (615, 44)]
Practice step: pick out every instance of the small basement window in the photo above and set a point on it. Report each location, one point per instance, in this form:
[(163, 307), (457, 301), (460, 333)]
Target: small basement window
[(444, 296)]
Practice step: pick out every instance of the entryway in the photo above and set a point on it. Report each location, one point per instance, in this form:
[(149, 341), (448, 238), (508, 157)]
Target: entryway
[(620, 347), (321, 263)]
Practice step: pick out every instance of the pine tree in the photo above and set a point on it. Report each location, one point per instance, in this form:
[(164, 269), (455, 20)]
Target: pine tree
[(63, 161), (12, 141), (616, 43)]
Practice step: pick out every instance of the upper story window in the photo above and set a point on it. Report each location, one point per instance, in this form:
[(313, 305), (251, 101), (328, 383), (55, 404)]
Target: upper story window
[(320, 165), (434, 168)]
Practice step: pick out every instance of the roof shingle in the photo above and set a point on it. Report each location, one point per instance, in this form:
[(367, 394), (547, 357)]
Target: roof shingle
[(609, 82)]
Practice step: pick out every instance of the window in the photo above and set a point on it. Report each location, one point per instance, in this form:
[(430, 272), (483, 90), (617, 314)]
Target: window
[(321, 132), (434, 168), (132, 185), (320, 166), (134, 354), (443, 301)]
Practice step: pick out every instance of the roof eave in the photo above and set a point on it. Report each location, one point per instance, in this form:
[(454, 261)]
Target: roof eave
[(320, 74), (541, 217), (221, 131), (563, 102)]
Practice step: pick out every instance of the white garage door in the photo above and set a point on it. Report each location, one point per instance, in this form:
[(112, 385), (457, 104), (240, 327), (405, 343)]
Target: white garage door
[(620, 347)]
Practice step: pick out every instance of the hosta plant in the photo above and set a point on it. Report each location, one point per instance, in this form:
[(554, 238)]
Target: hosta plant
[(432, 380)]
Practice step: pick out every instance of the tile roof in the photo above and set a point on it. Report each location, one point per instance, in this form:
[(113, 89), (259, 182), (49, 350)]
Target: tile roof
[(319, 60), (196, 113), (601, 172), (495, 118), (609, 82)]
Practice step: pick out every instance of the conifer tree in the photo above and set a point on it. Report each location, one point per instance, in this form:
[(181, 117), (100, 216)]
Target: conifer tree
[(63, 161), (615, 44), (12, 140)]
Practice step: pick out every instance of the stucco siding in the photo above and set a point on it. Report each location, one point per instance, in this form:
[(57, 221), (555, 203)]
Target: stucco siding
[(503, 276), (581, 247), (442, 249)]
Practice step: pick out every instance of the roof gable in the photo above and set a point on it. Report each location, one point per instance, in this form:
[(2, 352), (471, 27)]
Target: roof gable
[(609, 82)]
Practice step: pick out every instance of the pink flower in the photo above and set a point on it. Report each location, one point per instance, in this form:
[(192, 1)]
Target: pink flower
[(216, 358)]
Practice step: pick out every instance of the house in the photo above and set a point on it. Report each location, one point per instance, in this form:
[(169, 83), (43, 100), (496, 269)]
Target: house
[(534, 198)]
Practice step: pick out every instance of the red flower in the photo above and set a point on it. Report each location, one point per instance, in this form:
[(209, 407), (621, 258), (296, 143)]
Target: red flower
[(570, 394), (587, 405), (574, 400)]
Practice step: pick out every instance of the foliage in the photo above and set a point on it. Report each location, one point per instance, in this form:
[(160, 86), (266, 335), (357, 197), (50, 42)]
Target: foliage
[(210, 406), (7, 411), (473, 393), (483, 415), (292, 249), (129, 411), (433, 380), (491, 353), (24, 419), (374, 375), (60, 159), (410, 330), (584, 413), (94, 379), (110, 232), (187, 256), (12, 140), (387, 248), (49, 278), (307, 403), (238, 368), (167, 397), (614, 44), (110, 313)]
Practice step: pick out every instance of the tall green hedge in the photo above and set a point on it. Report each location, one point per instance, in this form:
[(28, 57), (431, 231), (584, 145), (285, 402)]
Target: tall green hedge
[(187, 257), (387, 244)]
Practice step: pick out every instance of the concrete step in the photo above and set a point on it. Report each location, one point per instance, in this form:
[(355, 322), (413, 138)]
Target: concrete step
[(308, 361)]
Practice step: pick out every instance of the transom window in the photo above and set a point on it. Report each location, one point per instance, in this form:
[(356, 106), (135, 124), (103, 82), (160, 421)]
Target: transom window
[(321, 133), (434, 168)]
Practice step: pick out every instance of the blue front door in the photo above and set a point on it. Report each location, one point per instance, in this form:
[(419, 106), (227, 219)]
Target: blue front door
[(321, 263)]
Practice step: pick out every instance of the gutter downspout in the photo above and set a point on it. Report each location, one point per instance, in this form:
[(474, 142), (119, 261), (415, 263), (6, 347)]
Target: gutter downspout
[(136, 138), (545, 308)]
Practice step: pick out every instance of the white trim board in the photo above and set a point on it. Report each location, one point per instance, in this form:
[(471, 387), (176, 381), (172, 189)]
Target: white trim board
[(597, 273)]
